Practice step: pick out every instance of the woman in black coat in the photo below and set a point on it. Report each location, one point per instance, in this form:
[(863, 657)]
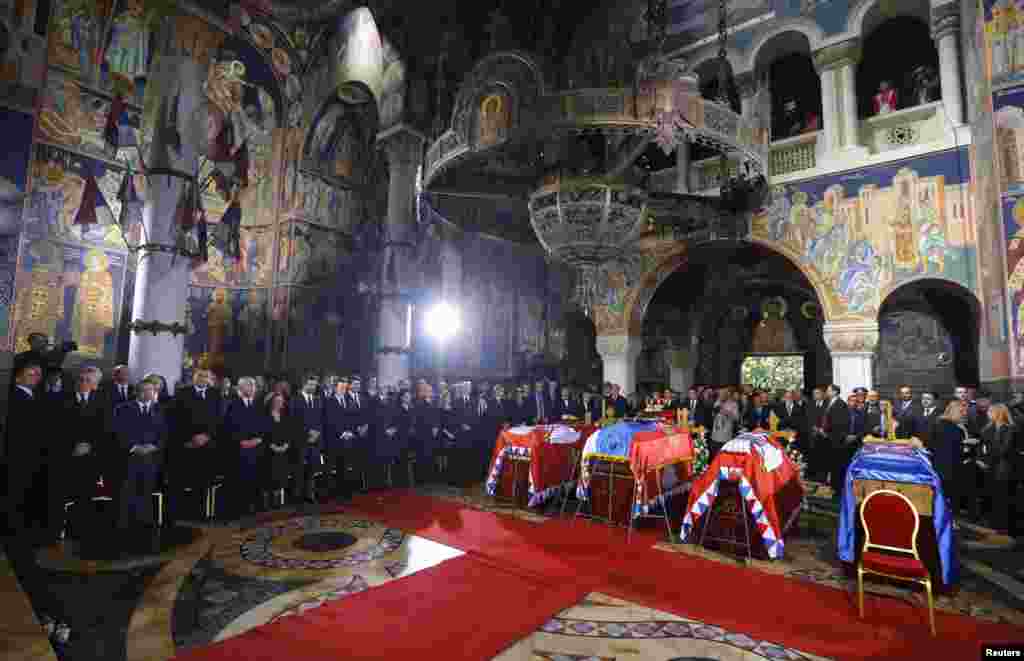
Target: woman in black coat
[(946, 446), (278, 458), (998, 439)]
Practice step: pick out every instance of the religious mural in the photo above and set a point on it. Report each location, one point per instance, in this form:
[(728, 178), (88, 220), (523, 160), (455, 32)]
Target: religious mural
[(979, 32), (494, 119), (1008, 106), (76, 116), (1004, 42), (1013, 218), (226, 323), (22, 50), (105, 44), (309, 254), (860, 234), (69, 292), (58, 181), (341, 135), (914, 348)]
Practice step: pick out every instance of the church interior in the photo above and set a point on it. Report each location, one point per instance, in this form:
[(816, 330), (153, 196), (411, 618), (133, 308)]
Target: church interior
[(663, 329)]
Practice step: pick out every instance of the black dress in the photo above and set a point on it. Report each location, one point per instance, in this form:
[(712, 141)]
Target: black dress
[(278, 464), (946, 447)]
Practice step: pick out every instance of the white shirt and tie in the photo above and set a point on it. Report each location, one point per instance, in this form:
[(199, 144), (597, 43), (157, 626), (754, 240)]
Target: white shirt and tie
[(789, 408), (83, 398), (123, 389), (144, 407), (201, 393)]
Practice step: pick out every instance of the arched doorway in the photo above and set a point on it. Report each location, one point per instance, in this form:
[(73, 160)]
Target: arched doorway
[(928, 337), (733, 301)]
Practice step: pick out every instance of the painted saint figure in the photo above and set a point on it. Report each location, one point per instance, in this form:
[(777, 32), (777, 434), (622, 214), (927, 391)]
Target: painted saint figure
[(906, 257), (94, 310)]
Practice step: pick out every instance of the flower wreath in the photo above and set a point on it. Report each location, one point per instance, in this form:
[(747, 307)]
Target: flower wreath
[(701, 454)]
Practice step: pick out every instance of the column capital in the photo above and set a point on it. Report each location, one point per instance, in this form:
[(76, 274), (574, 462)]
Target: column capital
[(837, 55), (403, 144), (619, 346), (858, 337), (945, 20)]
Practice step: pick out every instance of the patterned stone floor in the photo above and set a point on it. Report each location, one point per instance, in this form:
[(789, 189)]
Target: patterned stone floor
[(602, 628)]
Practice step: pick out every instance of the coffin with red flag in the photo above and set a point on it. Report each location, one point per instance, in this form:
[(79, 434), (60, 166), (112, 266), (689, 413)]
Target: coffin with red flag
[(768, 482)]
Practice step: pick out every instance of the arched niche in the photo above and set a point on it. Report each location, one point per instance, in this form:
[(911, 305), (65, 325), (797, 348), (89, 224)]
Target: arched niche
[(785, 60), (722, 294), (708, 75), (928, 337), (893, 46)]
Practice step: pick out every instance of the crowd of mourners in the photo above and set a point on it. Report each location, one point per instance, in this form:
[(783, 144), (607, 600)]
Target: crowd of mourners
[(267, 442), (974, 444)]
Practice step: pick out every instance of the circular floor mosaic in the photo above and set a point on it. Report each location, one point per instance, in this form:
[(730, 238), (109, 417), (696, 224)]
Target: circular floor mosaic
[(324, 542), (319, 544)]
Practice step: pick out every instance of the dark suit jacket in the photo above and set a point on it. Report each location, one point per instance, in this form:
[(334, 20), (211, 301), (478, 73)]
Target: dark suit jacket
[(193, 415), (905, 415), (924, 424), (242, 423), (873, 421), (112, 392), (836, 422), (132, 427), (22, 443), (336, 422), (308, 417), (83, 424), (795, 421), (757, 418), (571, 407)]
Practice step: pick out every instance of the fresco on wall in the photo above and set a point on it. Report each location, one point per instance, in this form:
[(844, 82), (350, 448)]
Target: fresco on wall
[(1013, 217), (8, 268), (22, 50), (1008, 106), (70, 293), (14, 160), (1002, 47), (977, 33), (103, 50), (340, 140), (317, 325), (860, 234), (58, 181), (310, 254), (914, 348), (227, 329), (253, 269), (284, 53), (75, 116)]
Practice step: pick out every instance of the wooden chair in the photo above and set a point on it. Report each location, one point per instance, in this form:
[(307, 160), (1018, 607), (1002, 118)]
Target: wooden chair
[(891, 523)]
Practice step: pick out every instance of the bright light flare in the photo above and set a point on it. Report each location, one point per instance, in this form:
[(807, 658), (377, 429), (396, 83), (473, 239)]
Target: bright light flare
[(442, 321)]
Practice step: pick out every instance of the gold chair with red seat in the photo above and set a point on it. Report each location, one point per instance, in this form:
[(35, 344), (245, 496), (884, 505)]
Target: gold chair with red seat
[(891, 523)]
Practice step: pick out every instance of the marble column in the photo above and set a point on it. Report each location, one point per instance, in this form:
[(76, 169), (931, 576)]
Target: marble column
[(162, 280), (681, 368), (619, 354), (852, 345), (946, 33), (404, 149), (683, 167), (837, 68)]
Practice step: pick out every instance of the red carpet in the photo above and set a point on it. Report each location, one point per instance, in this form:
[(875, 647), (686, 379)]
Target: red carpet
[(797, 614), (464, 608)]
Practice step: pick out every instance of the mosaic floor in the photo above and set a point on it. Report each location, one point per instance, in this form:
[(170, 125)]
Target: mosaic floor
[(602, 628), (231, 578)]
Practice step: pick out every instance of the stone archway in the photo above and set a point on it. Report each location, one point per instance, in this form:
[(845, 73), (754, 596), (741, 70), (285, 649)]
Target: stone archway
[(620, 323), (929, 337)]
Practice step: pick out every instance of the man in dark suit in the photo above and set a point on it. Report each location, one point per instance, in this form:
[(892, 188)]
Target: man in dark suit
[(930, 414), (790, 412), (905, 412), (308, 411), (816, 448), (698, 412), (339, 434), (617, 404), (194, 457), (873, 418), (49, 359), (758, 416), (567, 405), (141, 430), (246, 425), (539, 408), (25, 453), (81, 448), (836, 428), (360, 414), (120, 389)]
